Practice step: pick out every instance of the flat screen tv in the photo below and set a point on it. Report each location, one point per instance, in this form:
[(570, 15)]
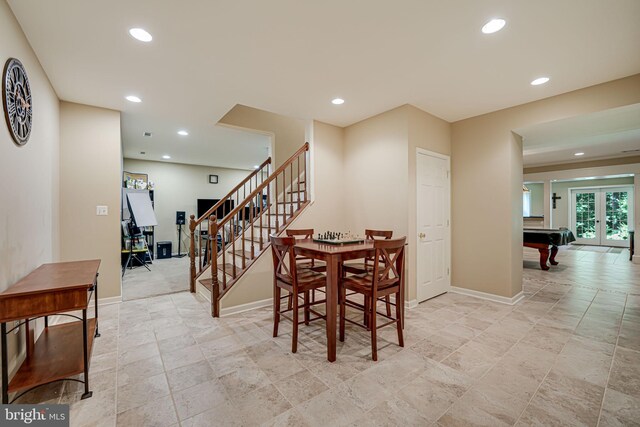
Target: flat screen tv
[(205, 204)]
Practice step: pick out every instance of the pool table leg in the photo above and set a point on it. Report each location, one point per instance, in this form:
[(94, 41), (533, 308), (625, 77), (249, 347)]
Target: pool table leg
[(552, 258), (544, 255)]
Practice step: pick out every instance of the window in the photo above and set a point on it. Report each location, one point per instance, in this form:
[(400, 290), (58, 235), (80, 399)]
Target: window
[(526, 203)]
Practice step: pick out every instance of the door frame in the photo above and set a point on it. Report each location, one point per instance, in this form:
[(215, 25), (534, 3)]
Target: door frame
[(598, 190), (420, 151)]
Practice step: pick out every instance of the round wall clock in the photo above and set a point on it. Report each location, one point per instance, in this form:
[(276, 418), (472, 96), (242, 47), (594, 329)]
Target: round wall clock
[(16, 97)]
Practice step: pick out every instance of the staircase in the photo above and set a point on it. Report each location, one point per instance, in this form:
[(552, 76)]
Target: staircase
[(264, 203)]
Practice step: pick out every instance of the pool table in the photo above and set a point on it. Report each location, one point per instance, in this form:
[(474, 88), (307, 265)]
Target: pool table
[(546, 241)]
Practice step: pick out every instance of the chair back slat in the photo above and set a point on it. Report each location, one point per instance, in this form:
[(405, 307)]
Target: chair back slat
[(304, 233), (376, 235), (390, 268), (284, 264)]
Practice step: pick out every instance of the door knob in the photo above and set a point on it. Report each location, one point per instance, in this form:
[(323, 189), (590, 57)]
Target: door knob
[(422, 235)]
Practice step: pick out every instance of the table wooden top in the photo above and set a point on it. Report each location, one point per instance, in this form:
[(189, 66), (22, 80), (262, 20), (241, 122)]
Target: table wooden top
[(323, 248), (54, 277)]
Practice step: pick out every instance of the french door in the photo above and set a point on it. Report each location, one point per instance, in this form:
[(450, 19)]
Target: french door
[(601, 216)]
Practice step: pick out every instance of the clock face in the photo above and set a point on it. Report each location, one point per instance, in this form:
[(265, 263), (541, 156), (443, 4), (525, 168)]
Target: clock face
[(16, 95)]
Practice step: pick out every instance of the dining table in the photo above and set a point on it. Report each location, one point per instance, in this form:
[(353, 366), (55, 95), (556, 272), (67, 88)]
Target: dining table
[(333, 256)]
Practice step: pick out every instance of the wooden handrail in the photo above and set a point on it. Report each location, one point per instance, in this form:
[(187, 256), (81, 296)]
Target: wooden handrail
[(262, 186), (215, 207), (239, 235)]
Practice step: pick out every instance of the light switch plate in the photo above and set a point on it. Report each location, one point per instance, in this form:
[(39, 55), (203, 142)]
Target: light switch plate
[(102, 210)]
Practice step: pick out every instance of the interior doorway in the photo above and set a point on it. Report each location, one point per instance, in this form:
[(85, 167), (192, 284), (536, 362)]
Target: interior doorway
[(602, 216), (433, 224)]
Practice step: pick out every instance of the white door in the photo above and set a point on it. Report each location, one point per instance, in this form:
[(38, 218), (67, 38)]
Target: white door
[(434, 239), (601, 216)]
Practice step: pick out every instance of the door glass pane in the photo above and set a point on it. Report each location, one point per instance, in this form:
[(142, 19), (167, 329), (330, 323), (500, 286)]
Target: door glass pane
[(585, 215), (616, 215)]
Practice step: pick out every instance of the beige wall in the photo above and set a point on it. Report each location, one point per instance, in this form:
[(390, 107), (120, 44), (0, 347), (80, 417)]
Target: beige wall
[(288, 134), (376, 155), (90, 175), (561, 213), (177, 188), (485, 150), (29, 234)]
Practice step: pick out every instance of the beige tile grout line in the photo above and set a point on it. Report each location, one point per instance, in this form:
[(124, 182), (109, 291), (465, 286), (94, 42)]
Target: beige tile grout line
[(476, 380), (558, 355), (615, 349)]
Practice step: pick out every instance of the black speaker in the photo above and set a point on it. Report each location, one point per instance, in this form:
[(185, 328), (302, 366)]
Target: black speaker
[(180, 216)]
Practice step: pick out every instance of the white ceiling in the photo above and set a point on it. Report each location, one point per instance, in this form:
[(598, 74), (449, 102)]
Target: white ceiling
[(600, 135), (292, 57), (218, 146)]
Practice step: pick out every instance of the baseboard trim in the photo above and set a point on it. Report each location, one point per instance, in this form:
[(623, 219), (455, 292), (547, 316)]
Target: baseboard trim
[(109, 300), (411, 304), (225, 311), (106, 301), (490, 297)]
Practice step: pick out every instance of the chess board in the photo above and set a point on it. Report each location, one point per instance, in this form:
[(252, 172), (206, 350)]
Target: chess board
[(340, 241)]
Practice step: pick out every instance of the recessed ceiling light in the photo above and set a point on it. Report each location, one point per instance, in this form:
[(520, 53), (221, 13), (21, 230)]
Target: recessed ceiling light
[(140, 34), (337, 101), (493, 26), (133, 98), (539, 81), (183, 132), (579, 154), (256, 166), (166, 156)]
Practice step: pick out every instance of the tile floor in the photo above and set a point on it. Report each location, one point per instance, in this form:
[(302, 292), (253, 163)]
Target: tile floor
[(166, 277), (568, 354)]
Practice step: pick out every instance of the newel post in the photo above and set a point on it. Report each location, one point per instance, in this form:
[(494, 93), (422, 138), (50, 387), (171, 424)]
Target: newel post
[(192, 254), (213, 253)]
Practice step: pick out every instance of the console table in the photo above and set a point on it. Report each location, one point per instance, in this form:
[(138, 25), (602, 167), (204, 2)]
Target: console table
[(63, 350)]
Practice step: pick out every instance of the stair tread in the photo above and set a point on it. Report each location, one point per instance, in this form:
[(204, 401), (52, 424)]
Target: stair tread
[(228, 268), (239, 252)]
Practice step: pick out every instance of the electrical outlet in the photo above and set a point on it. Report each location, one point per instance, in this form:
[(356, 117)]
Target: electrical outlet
[(102, 210), (16, 331)]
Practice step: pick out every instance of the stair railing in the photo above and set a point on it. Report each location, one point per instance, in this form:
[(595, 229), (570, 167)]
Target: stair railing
[(236, 195), (243, 229)]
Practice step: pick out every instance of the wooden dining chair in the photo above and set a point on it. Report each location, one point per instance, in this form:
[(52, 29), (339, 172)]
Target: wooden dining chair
[(387, 278), (302, 261), (297, 282), (366, 266)]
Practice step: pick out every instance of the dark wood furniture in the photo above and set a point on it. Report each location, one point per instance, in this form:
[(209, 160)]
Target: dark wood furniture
[(61, 351), (302, 261), (367, 265), (333, 256), (546, 241), (387, 278), (297, 282)]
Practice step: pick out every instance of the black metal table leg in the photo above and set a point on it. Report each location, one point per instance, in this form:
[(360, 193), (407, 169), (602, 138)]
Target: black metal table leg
[(5, 366), (85, 348), (95, 295)]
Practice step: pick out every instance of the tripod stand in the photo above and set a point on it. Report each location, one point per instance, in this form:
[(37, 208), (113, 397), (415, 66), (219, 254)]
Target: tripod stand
[(180, 255)]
